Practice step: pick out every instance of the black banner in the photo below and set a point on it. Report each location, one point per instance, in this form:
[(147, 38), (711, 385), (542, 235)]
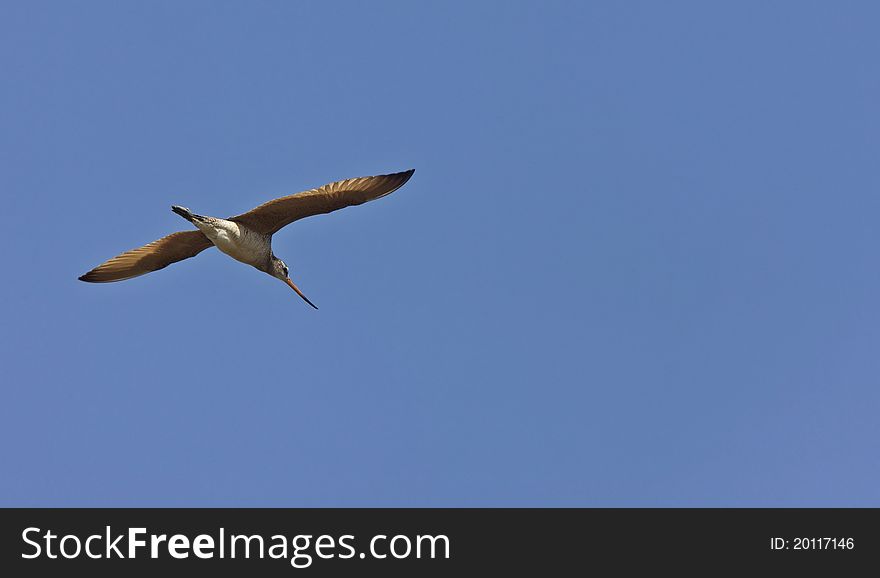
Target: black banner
[(410, 542)]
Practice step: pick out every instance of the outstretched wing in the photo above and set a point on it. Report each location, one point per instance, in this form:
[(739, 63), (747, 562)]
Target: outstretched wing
[(273, 215), (158, 254)]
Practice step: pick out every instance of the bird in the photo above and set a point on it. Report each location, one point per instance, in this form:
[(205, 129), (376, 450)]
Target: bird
[(246, 237)]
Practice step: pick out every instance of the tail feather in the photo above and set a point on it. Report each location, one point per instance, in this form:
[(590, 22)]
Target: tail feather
[(183, 212)]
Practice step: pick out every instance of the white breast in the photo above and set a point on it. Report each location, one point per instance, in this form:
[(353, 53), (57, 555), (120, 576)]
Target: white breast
[(240, 244)]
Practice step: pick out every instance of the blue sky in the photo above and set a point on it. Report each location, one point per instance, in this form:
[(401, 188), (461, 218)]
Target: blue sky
[(637, 264)]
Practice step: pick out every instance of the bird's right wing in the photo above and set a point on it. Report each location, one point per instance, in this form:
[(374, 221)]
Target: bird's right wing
[(271, 216), (152, 257)]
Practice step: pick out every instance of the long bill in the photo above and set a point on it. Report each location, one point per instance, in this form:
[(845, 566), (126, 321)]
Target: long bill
[(298, 292)]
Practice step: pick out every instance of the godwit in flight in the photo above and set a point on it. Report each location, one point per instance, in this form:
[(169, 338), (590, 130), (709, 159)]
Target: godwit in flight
[(246, 237)]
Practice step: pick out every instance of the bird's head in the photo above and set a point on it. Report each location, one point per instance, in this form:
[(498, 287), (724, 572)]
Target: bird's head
[(279, 269)]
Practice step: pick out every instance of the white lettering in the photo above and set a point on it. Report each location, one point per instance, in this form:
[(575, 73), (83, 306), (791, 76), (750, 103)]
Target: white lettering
[(133, 542), (176, 542), (24, 537), (201, 543)]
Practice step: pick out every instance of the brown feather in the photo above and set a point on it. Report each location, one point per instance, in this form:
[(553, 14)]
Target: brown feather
[(151, 257), (271, 216)]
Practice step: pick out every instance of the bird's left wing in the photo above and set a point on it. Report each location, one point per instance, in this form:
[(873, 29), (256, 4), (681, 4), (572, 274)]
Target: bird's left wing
[(271, 216), (152, 257)]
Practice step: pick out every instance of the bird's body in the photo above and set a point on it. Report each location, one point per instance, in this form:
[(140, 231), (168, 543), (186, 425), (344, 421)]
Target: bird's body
[(246, 237), (237, 241)]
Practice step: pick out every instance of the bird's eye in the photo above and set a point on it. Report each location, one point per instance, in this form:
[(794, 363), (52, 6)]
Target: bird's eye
[(285, 272)]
